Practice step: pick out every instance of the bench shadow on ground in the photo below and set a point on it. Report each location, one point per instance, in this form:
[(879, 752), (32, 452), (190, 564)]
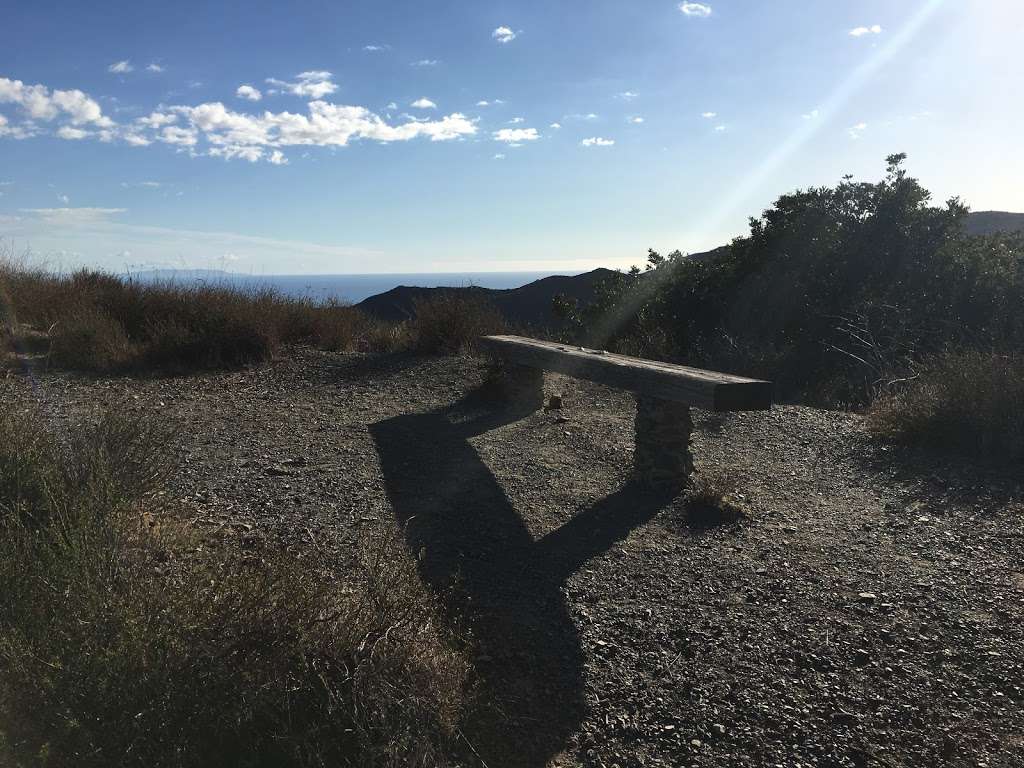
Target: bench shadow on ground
[(505, 587)]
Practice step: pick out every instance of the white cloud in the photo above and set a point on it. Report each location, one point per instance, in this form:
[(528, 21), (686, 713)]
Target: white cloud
[(516, 135), (314, 84), (391, 105), (64, 199), (636, 120), (182, 137), (499, 156), (72, 134), (855, 131), (214, 130), (874, 29), (154, 67), (72, 215), (142, 184), (157, 119), (248, 92), (423, 103), (628, 95), (517, 120), (709, 115), (812, 115), (424, 63), (375, 48), (720, 128), (597, 141), (42, 104), (556, 126), (503, 35), (698, 10), (121, 67), (483, 103)]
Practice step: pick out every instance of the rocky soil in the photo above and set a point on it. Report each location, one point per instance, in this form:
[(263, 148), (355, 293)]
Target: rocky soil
[(866, 610)]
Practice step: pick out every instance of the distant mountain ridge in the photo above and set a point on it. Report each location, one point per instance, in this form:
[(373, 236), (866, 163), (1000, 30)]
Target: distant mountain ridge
[(528, 305), (990, 222)]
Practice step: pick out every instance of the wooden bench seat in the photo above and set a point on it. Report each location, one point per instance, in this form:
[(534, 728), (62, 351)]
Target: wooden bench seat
[(664, 394)]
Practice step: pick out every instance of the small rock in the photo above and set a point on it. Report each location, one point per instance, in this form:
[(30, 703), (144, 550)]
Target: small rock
[(867, 597), (554, 403), (718, 729), (696, 743)]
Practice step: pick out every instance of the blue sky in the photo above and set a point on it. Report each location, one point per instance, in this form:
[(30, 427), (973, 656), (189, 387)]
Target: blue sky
[(326, 137)]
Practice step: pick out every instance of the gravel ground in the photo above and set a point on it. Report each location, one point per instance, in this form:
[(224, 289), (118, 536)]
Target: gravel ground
[(867, 610)]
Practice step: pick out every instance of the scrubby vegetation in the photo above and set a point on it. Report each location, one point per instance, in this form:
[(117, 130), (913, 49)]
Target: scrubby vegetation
[(967, 400), (126, 641), (93, 321), (842, 296), (452, 322)]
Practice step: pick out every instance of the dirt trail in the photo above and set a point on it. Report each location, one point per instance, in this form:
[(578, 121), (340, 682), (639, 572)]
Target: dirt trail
[(867, 612)]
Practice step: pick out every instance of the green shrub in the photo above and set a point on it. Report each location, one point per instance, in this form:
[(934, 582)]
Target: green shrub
[(971, 402), (449, 323), (125, 641)]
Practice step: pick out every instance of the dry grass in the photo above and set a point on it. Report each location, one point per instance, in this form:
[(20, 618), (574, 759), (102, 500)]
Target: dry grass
[(99, 322), (126, 641), (450, 323), (711, 500), (971, 402)]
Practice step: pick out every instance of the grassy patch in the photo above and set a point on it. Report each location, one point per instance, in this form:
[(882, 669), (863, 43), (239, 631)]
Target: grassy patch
[(970, 402), (449, 323), (101, 323), (125, 640)]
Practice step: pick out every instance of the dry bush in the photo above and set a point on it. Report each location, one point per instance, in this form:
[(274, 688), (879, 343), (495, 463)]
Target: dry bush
[(124, 643), (449, 323), (89, 340), (711, 500), (971, 402)]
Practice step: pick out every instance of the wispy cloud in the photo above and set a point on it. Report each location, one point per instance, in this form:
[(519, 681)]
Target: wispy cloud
[(516, 135), (517, 120), (636, 119), (720, 128), (423, 103), (314, 84), (812, 115), (856, 131), (121, 67), (154, 67), (424, 63), (709, 115), (556, 126), (375, 48), (628, 95), (874, 29), (141, 184), (72, 215), (499, 156), (249, 93), (504, 35), (697, 10), (597, 141), (72, 134)]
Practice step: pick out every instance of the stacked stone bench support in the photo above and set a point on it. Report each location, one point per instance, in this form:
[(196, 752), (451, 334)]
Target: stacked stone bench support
[(664, 395)]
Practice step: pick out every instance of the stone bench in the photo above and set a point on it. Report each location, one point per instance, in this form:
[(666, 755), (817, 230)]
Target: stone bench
[(664, 395)]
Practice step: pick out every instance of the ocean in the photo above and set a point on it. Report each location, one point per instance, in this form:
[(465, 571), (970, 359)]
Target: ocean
[(345, 288)]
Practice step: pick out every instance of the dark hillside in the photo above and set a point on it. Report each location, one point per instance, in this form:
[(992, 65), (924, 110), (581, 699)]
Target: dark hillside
[(991, 222), (528, 305)]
